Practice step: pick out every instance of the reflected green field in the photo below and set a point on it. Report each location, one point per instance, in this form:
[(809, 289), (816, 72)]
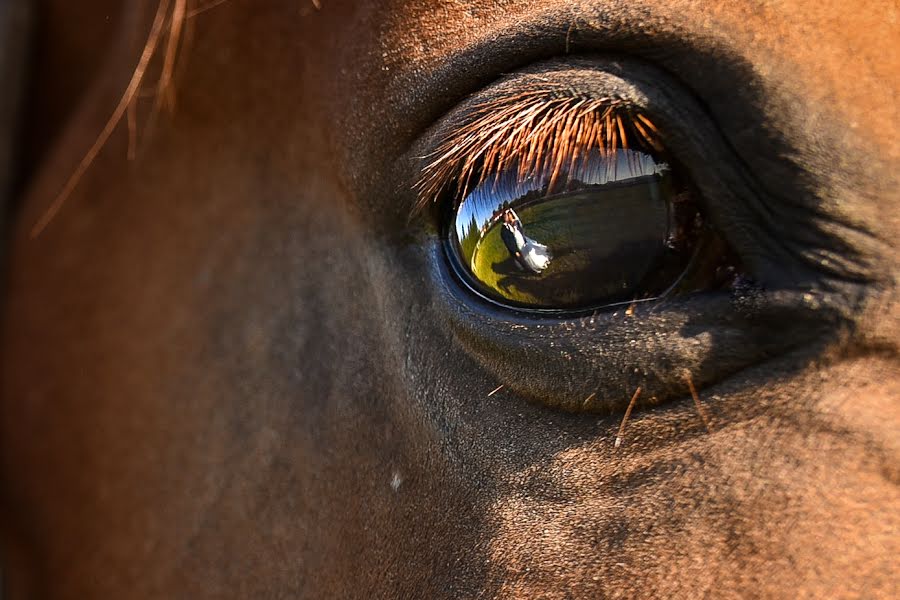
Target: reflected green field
[(603, 244)]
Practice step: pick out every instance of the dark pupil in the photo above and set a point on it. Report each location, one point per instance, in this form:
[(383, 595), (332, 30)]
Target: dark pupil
[(617, 229)]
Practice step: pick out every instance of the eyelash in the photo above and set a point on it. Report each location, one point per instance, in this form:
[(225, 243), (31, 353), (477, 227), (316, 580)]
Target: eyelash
[(540, 132)]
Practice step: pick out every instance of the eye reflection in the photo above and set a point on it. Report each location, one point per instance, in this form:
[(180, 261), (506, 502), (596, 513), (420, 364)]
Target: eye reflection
[(617, 227), (526, 253)]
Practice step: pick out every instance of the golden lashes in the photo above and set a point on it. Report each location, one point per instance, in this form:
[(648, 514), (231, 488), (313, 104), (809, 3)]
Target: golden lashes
[(544, 131)]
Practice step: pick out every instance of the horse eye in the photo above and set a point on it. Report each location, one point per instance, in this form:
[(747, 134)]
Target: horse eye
[(622, 226)]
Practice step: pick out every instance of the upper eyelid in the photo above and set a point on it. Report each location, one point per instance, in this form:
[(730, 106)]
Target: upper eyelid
[(441, 90), (443, 80), (740, 200)]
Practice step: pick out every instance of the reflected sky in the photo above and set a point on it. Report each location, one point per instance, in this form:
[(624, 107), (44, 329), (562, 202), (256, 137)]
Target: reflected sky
[(483, 204)]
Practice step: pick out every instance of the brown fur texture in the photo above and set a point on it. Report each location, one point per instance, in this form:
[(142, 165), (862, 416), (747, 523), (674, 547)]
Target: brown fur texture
[(232, 367)]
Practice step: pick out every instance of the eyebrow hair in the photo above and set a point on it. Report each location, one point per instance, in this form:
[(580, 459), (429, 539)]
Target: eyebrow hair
[(168, 21), (543, 130)]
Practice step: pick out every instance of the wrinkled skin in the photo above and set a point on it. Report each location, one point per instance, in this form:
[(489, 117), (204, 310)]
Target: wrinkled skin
[(233, 368)]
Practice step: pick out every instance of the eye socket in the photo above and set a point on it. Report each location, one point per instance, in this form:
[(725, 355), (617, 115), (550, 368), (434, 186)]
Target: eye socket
[(551, 134), (566, 202)]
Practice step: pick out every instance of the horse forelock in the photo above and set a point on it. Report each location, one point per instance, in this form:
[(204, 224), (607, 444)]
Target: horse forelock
[(165, 48)]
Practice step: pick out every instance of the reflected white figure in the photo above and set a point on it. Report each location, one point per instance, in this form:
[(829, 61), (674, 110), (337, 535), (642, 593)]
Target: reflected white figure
[(529, 254)]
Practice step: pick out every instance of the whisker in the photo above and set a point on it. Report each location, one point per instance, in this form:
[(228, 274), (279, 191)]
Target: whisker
[(700, 410), (619, 436), (202, 9), (153, 39), (166, 96)]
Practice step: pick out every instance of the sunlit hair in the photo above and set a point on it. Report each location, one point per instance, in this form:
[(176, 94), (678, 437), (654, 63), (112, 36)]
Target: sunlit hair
[(541, 132), (167, 41)]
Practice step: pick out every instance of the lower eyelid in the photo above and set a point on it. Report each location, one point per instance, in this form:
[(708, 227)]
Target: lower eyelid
[(594, 363)]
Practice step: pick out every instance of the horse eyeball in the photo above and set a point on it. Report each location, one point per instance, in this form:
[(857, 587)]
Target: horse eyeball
[(615, 227)]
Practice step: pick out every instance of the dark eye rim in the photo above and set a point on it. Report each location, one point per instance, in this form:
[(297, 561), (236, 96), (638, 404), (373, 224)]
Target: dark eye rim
[(597, 351)]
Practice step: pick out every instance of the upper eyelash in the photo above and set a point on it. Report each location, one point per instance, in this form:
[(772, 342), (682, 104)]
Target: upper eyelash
[(542, 130)]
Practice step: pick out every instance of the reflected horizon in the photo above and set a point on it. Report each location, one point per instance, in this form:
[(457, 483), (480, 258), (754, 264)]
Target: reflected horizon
[(484, 205), (602, 233)]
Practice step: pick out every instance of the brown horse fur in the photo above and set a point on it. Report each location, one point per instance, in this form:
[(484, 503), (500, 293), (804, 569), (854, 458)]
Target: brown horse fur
[(233, 367)]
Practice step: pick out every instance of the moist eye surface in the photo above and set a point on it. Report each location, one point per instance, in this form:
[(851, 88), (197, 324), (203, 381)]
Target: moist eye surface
[(621, 228)]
